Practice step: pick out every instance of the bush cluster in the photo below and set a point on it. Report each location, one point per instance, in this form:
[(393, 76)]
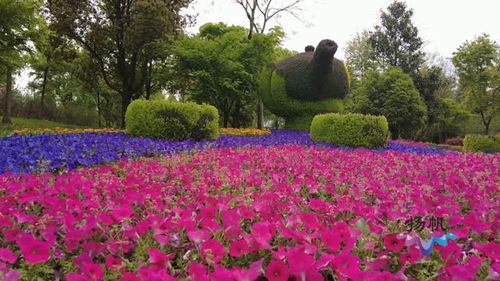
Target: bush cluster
[(353, 130), (477, 143), (170, 120)]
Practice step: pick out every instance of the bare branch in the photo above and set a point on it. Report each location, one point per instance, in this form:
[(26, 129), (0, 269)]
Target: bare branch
[(264, 10)]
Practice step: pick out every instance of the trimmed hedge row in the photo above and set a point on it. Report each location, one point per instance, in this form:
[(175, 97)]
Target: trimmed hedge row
[(353, 130), (172, 120), (477, 143)]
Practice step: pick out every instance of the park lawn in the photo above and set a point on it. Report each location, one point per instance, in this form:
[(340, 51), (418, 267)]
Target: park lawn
[(21, 123)]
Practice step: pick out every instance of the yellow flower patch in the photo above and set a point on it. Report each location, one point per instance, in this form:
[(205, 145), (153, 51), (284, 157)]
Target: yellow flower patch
[(244, 132)]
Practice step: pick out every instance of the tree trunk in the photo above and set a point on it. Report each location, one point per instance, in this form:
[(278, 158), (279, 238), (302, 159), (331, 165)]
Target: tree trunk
[(41, 114), (148, 80), (126, 99), (98, 109), (8, 96), (260, 113), (237, 115), (486, 122)]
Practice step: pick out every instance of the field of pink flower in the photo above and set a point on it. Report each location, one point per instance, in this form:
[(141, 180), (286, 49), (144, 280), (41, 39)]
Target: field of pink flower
[(279, 213)]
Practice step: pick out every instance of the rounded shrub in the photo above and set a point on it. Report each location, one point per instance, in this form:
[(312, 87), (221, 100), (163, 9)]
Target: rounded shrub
[(171, 120), (353, 130), (477, 143)]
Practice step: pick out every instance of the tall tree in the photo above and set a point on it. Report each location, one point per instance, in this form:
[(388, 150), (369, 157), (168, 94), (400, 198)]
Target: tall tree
[(393, 95), (477, 64), (360, 56), (442, 113), (118, 34), (259, 13), (52, 54), (396, 41), (224, 65), (17, 26)]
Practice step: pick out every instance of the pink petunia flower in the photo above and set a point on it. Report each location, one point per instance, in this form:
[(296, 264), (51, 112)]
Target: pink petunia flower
[(250, 274), (198, 236), (456, 273), (238, 248), (213, 250), (331, 240), (451, 254), (491, 250), (7, 255), (113, 263), (393, 243), (197, 272), (121, 213), (128, 276), (277, 271), (346, 263), (7, 274), (158, 259), (77, 277), (300, 264), (33, 250), (150, 274), (221, 274), (93, 271), (411, 256)]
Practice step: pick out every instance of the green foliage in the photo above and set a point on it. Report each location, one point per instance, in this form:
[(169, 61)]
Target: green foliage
[(477, 143), (353, 130), (297, 114), (172, 120), (360, 56), (17, 26), (392, 94), (396, 41), (120, 36), (478, 68), (224, 66), (443, 115), (18, 22)]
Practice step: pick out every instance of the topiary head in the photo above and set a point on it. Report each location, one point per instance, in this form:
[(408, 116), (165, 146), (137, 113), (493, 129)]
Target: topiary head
[(326, 49)]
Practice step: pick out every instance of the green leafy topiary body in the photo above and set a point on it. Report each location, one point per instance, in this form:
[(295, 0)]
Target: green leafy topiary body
[(172, 120), (304, 85), (353, 130), (477, 143)]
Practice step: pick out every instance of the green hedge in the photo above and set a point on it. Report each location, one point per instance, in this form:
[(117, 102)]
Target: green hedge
[(477, 143), (171, 120), (353, 130)]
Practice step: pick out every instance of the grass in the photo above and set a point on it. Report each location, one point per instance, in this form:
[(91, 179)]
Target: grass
[(21, 123)]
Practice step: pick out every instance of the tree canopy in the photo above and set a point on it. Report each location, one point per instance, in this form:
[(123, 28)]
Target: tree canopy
[(393, 95), (478, 68), (396, 41), (223, 63), (18, 23), (118, 34)]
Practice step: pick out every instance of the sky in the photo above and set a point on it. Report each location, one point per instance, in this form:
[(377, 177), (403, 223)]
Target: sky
[(443, 24)]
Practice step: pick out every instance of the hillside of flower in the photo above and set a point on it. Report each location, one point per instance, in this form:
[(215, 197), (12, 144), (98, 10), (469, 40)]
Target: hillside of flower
[(276, 207)]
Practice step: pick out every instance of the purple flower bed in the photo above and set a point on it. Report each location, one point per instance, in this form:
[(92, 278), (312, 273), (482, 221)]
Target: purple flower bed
[(42, 153)]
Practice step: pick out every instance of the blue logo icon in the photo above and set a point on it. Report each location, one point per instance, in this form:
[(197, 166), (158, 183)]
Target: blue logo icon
[(427, 246)]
